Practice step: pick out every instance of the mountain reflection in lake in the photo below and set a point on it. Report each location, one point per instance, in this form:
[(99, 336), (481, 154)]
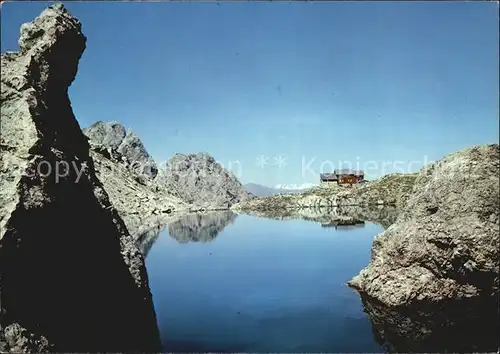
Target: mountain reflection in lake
[(147, 239), (189, 228), (222, 283), (200, 227), (228, 283)]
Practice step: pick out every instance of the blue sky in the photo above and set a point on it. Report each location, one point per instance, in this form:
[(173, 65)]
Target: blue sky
[(315, 83)]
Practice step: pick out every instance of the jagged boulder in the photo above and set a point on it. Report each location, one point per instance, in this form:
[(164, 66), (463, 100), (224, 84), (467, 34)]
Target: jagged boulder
[(113, 140), (445, 243), (198, 179), (72, 278)]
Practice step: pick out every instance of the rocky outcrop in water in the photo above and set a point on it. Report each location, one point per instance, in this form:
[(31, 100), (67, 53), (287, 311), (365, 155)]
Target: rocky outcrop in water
[(72, 279), (392, 190), (200, 180), (445, 243)]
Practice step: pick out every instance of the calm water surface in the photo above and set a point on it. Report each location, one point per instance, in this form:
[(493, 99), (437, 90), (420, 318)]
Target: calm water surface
[(245, 284)]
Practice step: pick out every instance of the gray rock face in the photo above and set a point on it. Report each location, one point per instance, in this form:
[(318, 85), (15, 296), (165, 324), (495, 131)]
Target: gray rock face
[(72, 279), (127, 172), (200, 180), (109, 135), (123, 147), (194, 182), (445, 243), (140, 202)]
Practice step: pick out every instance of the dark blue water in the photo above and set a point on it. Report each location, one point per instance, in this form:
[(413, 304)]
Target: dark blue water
[(260, 285)]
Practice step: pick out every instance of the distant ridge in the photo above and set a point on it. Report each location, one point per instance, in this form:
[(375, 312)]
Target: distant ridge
[(302, 186), (259, 190)]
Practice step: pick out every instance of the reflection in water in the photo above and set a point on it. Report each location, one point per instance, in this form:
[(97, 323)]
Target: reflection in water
[(270, 305), (347, 216), (200, 227), (455, 326), (196, 227), (259, 287), (458, 326), (147, 239), (345, 225), (204, 227)]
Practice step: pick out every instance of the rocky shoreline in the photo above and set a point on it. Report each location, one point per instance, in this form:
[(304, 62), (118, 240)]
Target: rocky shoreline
[(390, 190), (346, 215)]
